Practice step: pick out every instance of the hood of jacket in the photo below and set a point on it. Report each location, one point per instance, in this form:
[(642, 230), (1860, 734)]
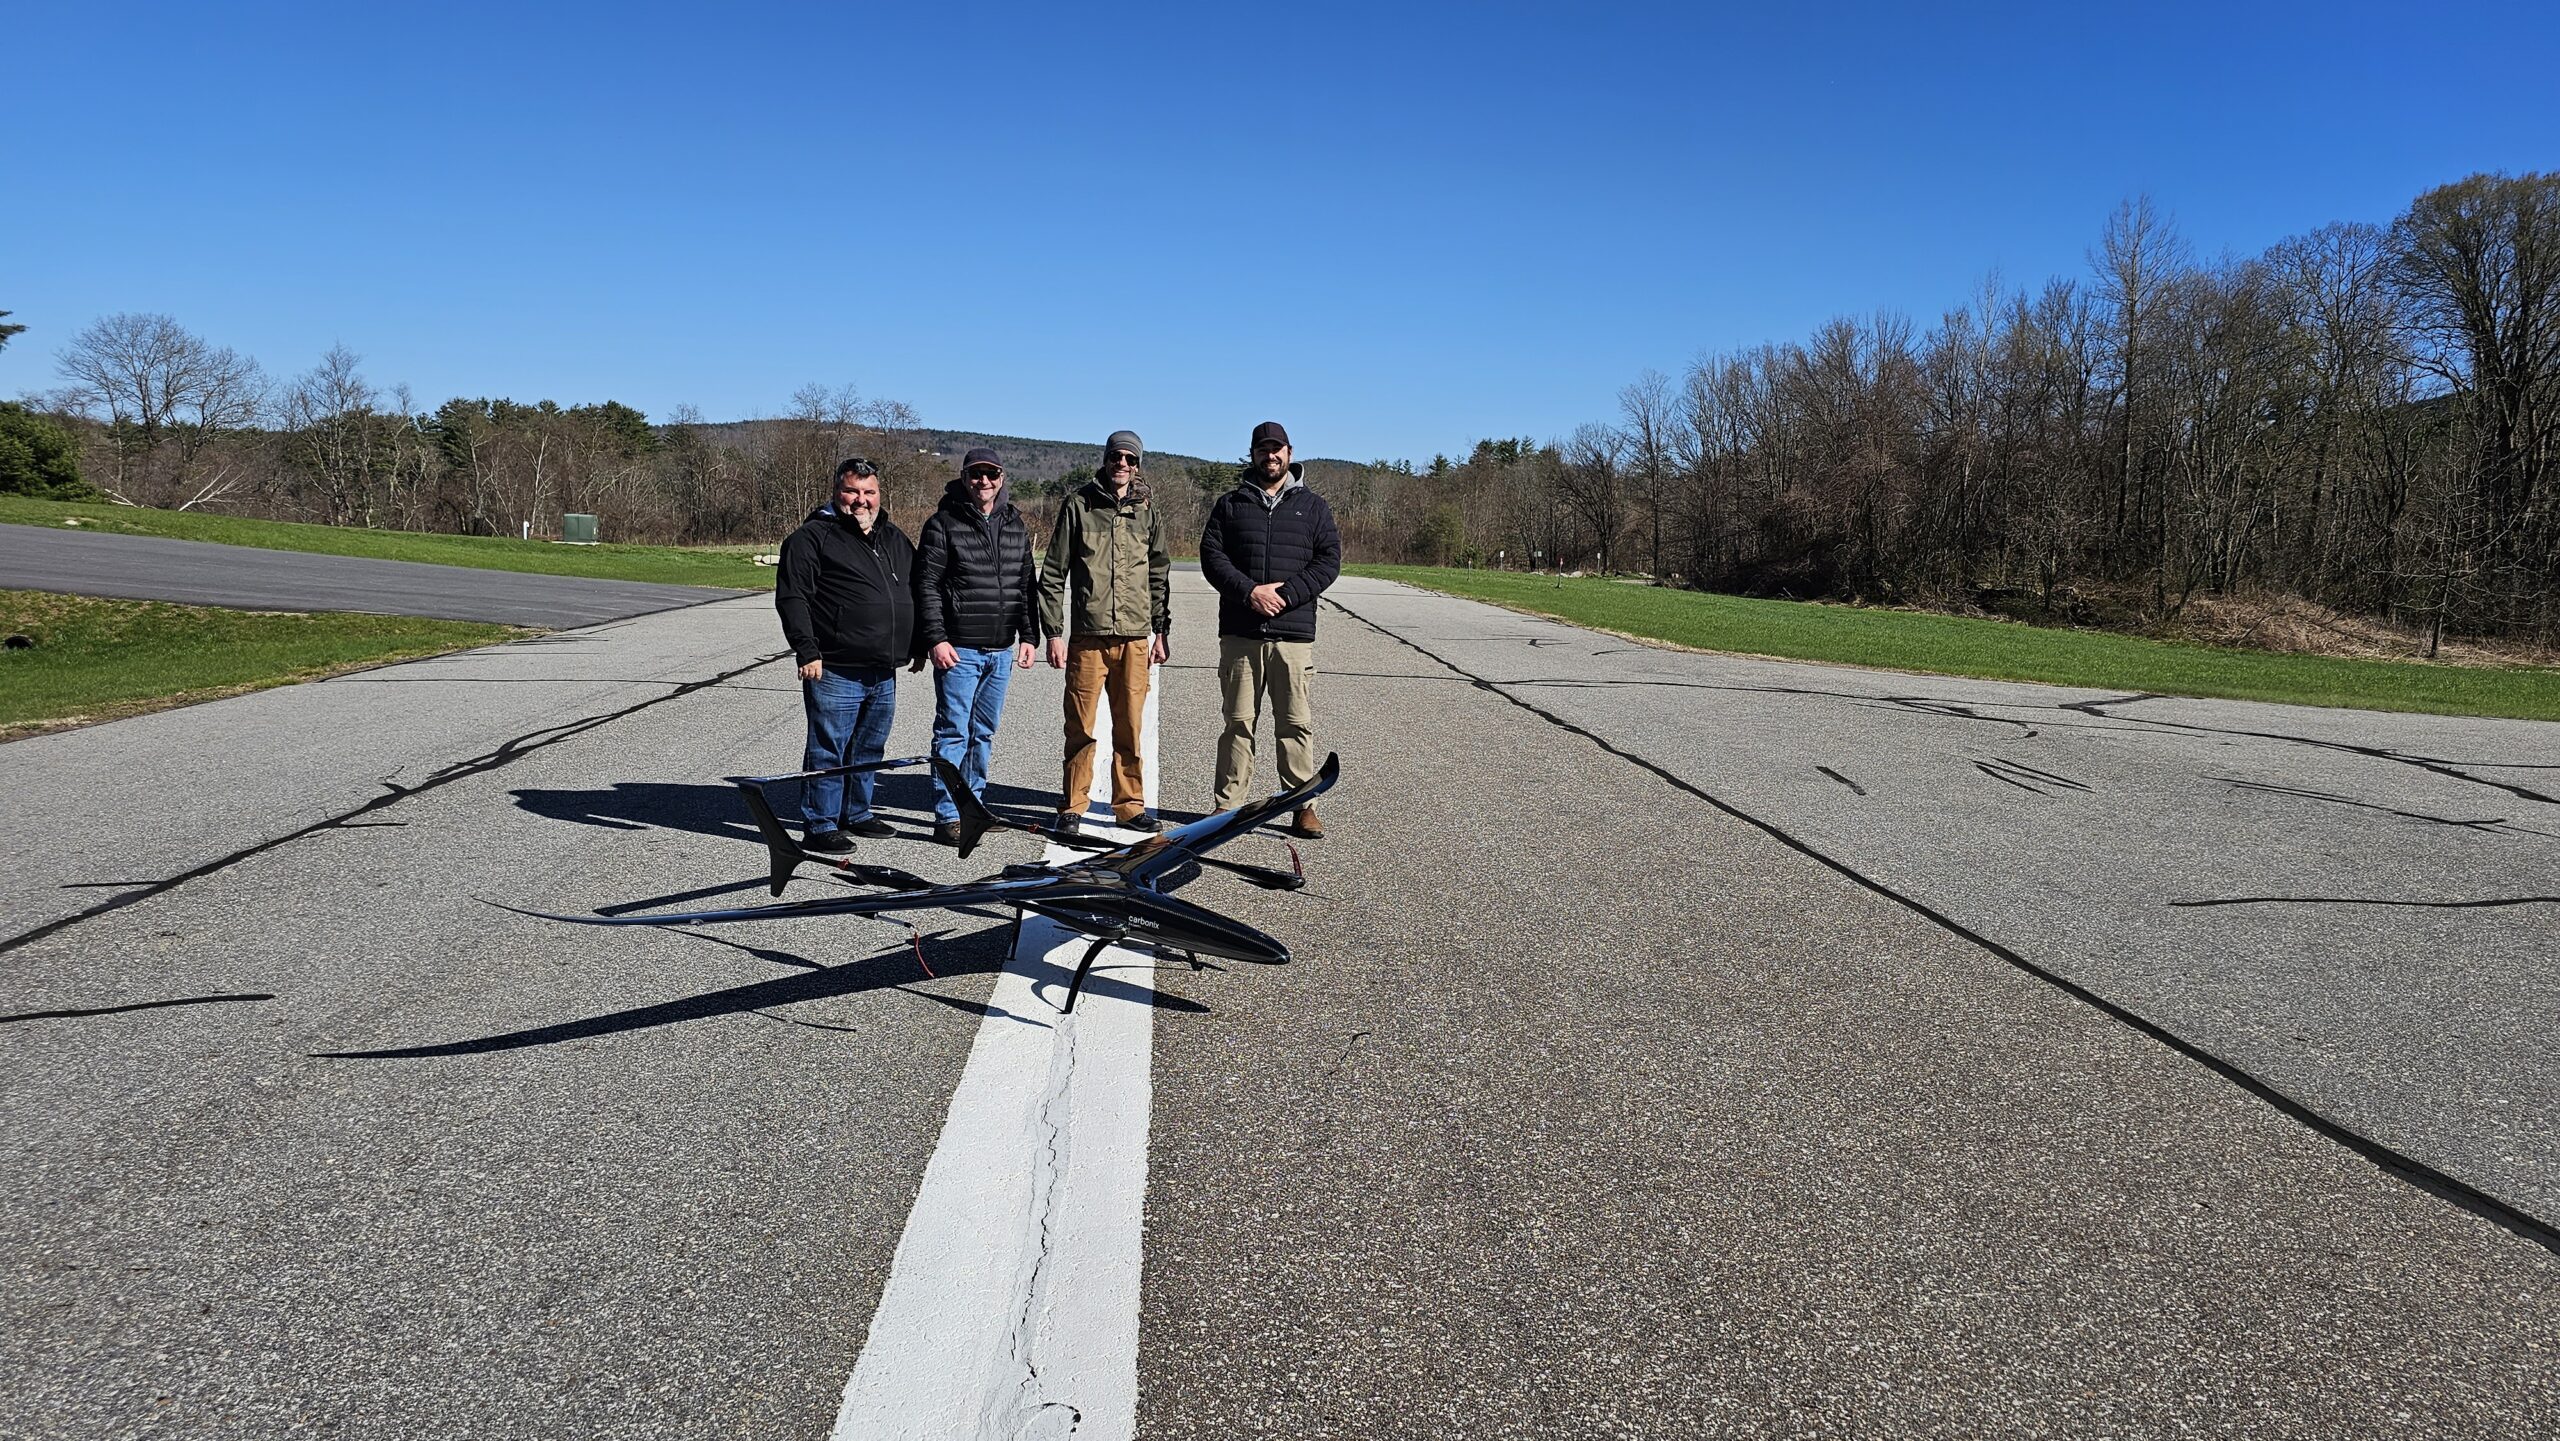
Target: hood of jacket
[(1098, 492), (1249, 484)]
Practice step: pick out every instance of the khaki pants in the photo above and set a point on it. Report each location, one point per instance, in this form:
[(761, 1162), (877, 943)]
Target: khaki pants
[(1246, 669), (1118, 665)]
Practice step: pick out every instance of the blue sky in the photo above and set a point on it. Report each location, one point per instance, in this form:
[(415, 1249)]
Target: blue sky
[(1397, 228)]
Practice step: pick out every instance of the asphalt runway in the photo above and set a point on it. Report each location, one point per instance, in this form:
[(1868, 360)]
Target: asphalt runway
[(194, 572), (1666, 1054)]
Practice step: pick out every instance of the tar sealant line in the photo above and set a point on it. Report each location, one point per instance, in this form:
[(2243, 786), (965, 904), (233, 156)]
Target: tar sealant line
[(1012, 1305)]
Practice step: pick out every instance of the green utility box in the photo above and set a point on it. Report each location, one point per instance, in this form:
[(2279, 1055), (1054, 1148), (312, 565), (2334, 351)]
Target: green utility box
[(577, 530)]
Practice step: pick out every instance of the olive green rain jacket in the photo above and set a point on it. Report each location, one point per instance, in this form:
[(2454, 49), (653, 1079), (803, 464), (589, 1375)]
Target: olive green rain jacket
[(1110, 549)]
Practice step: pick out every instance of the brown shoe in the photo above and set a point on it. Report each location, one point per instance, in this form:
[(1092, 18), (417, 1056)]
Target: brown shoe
[(1308, 826)]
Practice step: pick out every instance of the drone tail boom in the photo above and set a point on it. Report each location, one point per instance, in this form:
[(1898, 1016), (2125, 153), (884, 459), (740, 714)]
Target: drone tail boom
[(784, 852), (975, 819)]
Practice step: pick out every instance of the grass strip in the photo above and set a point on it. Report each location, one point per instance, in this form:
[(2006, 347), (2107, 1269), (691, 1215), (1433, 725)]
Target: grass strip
[(1998, 649), (94, 659), (721, 565)]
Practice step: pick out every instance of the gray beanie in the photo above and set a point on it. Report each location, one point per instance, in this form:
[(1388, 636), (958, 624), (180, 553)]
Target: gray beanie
[(1125, 440)]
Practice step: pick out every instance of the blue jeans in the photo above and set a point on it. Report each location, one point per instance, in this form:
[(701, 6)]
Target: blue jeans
[(849, 714), (966, 701)]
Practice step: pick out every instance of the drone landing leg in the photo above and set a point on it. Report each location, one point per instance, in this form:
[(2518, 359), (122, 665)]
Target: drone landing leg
[(1100, 944)]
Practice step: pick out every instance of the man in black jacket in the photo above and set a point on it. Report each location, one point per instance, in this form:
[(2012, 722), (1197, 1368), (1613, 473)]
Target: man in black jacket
[(1270, 549), (976, 618), (847, 596)]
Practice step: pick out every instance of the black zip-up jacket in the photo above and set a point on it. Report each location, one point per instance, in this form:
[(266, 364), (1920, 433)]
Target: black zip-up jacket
[(847, 598), (975, 582), (1248, 543)]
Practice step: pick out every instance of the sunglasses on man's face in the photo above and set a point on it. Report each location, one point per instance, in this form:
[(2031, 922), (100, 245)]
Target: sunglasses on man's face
[(993, 475), (1122, 457)]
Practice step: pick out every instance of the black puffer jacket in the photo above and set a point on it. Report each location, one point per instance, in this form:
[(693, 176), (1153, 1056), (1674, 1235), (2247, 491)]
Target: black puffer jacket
[(847, 598), (1248, 543), (975, 583)]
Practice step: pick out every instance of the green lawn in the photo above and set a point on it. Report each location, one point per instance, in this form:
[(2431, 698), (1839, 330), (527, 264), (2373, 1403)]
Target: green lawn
[(674, 565), (2001, 650), (97, 659)]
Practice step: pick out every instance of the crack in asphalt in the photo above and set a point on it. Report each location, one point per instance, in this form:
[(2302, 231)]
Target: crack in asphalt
[(2491, 903), (2097, 710), (1344, 1054), (2436, 765), (1921, 705), (2501, 824), (2006, 779), (135, 1006), (507, 753), (1048, 1179), (2390, 1160), (1855, 789), (2026, 777)]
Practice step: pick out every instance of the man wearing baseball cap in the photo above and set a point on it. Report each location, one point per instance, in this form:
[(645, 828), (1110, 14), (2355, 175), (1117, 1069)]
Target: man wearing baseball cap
[(1107, 555), (1269, 550), (977, 620)]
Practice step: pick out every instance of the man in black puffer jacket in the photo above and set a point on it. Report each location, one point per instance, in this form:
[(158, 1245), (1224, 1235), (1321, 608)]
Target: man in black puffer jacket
[(977, 618), (846, 591), (1270, 549)]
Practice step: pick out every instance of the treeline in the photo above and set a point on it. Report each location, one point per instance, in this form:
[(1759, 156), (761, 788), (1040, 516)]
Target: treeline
[(162, 417), (155, 415), (2364, 416)]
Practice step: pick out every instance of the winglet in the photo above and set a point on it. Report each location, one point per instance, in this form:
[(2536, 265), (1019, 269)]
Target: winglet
[(778, 844), (975, 819)]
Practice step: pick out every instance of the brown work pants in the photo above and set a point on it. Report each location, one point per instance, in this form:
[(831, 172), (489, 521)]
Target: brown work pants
[(1248, 669), (1118, 665)]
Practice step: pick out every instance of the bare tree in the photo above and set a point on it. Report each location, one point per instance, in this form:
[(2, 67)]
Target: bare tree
[(335, 436), (1593, 483), (1648, 418), (165, 395), (2480, 263), (2137, 257)]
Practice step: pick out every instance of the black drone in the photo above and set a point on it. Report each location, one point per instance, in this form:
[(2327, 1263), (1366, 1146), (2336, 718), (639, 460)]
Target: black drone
[(1112, 893)]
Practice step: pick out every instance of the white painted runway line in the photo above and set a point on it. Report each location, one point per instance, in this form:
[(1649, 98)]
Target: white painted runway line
[(1012, 1305)]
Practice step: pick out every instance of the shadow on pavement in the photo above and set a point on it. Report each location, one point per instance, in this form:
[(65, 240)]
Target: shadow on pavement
[(982, 952)]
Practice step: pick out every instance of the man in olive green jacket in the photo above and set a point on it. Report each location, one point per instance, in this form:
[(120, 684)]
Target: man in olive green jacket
[(1109, 548)]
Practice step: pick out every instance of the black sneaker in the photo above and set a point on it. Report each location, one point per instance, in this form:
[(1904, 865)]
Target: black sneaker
[(872, 828), (833, 843), (1070, 823), (946, 833), (1143, 824)]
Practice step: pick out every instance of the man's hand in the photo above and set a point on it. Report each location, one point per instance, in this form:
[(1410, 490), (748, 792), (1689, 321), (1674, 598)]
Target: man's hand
[(813, 670), (1057, 652), (1266, 599), (1161, 651), (1022, 655), (944, 657)]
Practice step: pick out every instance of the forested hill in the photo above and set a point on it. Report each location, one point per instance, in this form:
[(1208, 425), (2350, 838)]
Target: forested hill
[(1037, 467)]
